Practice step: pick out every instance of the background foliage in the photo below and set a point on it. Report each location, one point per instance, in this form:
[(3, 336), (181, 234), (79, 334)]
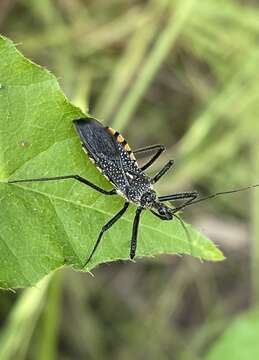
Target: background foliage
[(182, 73)]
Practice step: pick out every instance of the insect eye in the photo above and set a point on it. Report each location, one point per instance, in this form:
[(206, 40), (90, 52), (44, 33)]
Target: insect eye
[(162, 211), (165, 212)]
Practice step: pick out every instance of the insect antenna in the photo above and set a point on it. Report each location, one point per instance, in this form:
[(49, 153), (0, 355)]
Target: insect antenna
[(221, 193), (203, 199), (186, 232)]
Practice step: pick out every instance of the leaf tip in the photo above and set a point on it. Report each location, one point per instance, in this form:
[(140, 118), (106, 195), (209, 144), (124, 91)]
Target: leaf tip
[(215, 254)]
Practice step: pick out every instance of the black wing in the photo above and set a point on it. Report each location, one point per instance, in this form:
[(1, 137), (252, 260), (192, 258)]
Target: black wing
[(108, 154), (99, 143)]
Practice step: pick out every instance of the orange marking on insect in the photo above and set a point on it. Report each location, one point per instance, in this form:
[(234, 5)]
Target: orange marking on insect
[(111, 130), (120, 138), (126, 147)]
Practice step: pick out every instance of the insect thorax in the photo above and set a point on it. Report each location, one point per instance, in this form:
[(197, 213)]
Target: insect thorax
[(126, 175), (139, 186)]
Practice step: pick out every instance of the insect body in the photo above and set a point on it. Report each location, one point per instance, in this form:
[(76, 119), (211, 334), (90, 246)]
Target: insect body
[(114, 158)]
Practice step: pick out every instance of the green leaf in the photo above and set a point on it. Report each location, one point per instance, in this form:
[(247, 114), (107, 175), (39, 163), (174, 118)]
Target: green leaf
[(239, 341), (46, 225)]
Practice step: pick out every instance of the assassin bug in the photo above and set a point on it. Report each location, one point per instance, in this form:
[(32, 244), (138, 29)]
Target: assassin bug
[(114, 158)]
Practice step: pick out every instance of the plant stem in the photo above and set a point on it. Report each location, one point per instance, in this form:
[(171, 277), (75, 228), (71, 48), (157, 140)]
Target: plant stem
[(255, 230), (50, 326)]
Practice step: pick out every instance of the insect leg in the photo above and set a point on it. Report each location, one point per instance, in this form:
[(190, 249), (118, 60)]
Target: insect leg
[(106, 227), (75, 177), (191, 196), (159, 149), (134, 237), (179, 196), (162, 172)]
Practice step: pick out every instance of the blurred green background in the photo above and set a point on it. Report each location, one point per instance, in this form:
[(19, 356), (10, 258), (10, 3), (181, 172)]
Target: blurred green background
[(183, 73)]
